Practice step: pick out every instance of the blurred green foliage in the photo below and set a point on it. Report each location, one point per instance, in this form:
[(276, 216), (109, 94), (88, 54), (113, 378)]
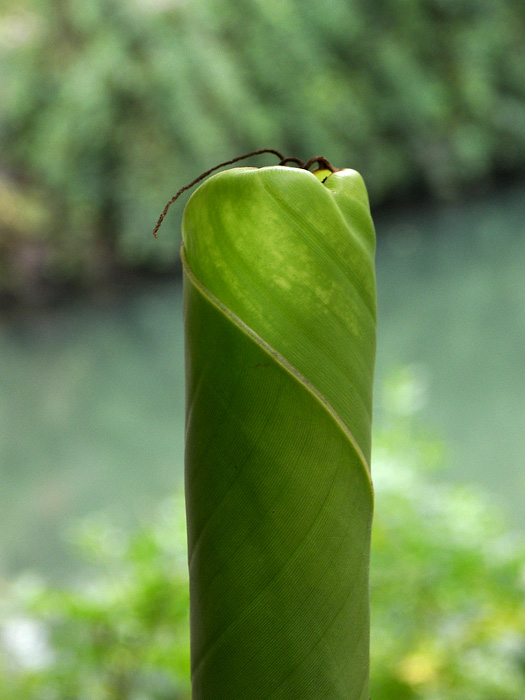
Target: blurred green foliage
[(447, 590), (121, 634), (109, 106)]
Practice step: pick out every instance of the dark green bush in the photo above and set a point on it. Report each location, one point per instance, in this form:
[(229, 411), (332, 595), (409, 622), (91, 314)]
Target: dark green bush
[(109, 106)]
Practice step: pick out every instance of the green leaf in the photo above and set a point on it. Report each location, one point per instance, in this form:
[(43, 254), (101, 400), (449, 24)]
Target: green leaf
[(280, 317)]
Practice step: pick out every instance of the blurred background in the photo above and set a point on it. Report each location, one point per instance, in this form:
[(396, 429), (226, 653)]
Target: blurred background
[(107, 107)]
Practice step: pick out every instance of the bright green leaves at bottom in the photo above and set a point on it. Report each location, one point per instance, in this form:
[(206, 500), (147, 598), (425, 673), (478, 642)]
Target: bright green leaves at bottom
[(280, 348)]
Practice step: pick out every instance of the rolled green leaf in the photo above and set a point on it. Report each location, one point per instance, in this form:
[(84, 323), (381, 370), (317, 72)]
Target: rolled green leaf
[(280, 323)]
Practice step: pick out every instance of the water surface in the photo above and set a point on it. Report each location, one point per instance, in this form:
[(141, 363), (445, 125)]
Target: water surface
[(451, 286), (91, 395)]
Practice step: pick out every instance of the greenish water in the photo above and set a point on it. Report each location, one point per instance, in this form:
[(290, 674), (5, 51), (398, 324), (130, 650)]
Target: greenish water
[(451, 285), (92, 395), (91, 402)]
